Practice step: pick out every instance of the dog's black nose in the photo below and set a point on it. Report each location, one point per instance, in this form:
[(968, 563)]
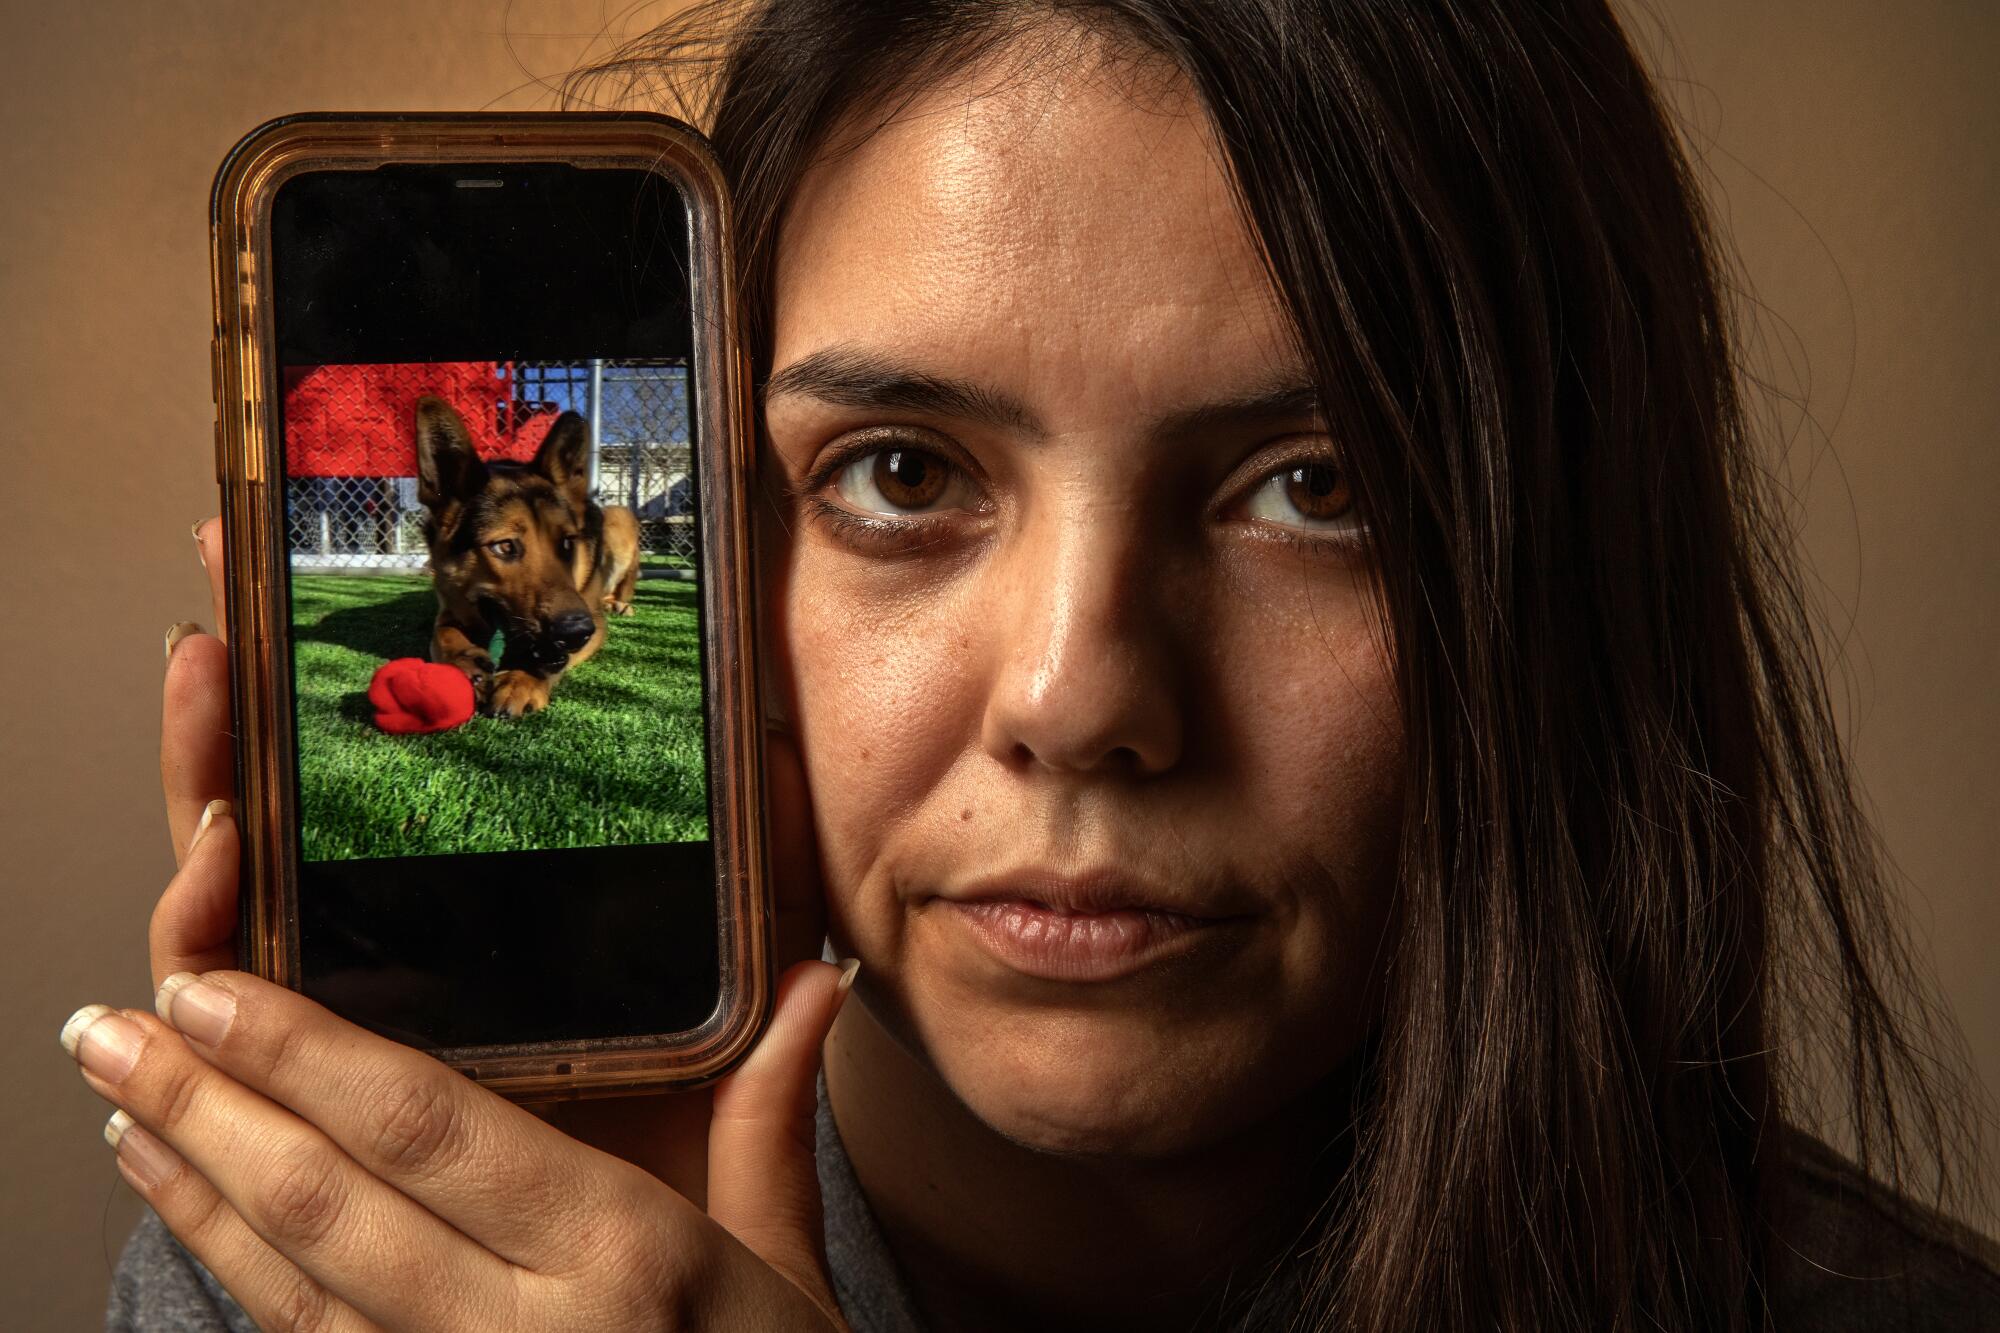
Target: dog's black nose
[(572, 630)]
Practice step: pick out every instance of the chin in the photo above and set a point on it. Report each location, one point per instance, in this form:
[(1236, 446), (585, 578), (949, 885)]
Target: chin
[(1077, 1120), (1086, 1083)]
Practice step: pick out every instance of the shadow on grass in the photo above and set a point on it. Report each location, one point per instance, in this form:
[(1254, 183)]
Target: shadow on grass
[(397, 627), (608, 694), (618, 756), (400, 626)]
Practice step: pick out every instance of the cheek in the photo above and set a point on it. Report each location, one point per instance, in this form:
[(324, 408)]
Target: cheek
[(888, 699), (1323, 742), (472, 569), (1319, 779)]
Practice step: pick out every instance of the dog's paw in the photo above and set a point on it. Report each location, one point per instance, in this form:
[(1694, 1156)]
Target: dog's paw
[(478, 669), (480, 672), (613, 606), (515, 693)]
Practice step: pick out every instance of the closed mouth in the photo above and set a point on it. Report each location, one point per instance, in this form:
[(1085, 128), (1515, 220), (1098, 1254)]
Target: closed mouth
[(1091, 893)]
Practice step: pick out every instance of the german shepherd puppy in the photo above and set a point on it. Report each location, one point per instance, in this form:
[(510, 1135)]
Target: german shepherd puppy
[(519, 549)]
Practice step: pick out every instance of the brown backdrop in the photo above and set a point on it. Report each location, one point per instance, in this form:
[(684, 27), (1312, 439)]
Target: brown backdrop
[(1852, 146)]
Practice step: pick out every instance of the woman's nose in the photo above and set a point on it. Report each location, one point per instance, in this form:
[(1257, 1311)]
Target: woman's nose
[(1088, 678)]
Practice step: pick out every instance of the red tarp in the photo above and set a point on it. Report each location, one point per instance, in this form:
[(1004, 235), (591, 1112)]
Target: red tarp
[(360, 421)]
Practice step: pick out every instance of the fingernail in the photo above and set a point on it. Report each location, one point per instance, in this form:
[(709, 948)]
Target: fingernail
[(163, 999), (208, 814), (103, 1041), (143, 1155), (200, 548), (177, 633), (197, 1008), (78, 1021), (848, 968)]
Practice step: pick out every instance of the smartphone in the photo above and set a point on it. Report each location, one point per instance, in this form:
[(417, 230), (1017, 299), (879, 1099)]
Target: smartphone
[(482, 437)]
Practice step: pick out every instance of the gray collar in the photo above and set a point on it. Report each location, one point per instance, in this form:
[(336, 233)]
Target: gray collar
[(866, 1281)]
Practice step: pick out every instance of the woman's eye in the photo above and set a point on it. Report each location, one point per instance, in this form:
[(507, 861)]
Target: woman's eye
[(1315, 496), (898, 481)]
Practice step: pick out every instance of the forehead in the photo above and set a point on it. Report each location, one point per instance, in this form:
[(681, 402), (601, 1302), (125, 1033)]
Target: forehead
[(516, 498), (1069, 219)]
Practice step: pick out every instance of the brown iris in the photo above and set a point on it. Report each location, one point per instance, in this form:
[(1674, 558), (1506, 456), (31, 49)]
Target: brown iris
[(909, 479), (1319, 490)]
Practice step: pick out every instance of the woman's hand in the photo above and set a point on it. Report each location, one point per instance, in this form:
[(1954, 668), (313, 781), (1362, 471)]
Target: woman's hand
[(332, 1179), (194, 923)]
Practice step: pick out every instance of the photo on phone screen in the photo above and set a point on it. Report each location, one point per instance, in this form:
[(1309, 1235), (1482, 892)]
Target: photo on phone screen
[(492, 482), (574, 590)]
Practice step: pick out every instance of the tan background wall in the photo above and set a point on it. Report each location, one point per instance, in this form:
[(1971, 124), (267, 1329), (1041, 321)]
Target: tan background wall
[(1854, 145)]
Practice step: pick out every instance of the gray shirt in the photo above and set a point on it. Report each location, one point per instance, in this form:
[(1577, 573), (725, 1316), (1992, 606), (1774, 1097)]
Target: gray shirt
[(1856, 1259)]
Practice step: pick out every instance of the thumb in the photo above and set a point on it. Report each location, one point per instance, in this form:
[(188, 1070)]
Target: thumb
[(763, 1186)]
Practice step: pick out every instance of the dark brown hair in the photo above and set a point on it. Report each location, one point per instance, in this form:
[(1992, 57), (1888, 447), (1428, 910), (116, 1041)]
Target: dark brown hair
[(1642, 915)]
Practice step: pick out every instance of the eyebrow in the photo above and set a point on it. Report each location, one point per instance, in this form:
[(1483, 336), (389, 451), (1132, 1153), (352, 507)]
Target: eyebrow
[(849, 376), (1283, 399)]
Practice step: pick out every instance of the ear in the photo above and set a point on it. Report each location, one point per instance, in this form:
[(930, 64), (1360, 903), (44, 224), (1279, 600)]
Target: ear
[(448, 467), (564, 457)]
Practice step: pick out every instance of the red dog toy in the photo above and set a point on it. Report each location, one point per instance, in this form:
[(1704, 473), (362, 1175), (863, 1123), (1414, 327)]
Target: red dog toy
[(412, 696)]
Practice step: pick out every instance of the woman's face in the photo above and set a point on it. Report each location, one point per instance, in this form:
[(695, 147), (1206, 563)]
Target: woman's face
[(1064, 598)]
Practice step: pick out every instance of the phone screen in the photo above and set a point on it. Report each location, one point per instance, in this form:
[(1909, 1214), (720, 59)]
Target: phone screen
[(492, 486)]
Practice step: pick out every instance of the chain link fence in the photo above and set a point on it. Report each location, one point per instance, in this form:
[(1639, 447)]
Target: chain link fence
[(350, 450)]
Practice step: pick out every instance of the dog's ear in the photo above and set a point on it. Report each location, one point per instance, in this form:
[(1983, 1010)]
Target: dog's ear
[(564, 457), (448, 467)]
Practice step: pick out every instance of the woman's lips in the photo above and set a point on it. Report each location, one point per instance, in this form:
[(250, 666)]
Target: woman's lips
[(1064, 945)]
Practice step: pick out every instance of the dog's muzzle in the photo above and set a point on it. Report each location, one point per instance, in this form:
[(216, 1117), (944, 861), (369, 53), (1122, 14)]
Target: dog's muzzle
[(547, 656)]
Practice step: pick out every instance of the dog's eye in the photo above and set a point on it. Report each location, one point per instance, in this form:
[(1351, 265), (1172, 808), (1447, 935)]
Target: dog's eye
[(567, 546), (505, 549)]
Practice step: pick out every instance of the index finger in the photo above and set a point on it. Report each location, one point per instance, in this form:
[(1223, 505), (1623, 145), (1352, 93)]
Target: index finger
[(197, 755), (208, 549)]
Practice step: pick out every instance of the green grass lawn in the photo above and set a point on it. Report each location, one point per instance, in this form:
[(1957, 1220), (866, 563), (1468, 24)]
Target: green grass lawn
[(615, 759)]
